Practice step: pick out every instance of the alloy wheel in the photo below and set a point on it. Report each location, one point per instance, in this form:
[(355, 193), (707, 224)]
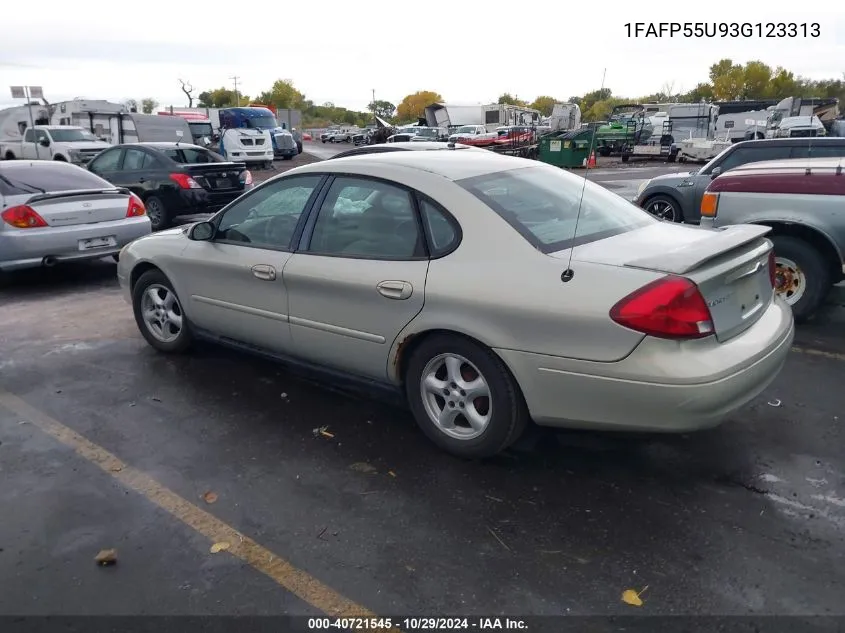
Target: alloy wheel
[(162, 313), (456, 396), (662, 209)]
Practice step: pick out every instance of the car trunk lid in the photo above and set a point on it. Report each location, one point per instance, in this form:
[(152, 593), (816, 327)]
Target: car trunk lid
[(222, 177), (87, 206), (730, 266)]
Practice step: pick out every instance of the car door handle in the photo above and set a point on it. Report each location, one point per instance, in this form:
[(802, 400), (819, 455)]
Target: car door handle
[(264, 272), (395, 289)]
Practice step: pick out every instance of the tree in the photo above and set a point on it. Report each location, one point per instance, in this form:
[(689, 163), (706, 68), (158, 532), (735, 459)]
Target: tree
[(720, 68), (413, 106), (544, 104), (148, 105), (757, 78), (382, 108), (220, 98), (730, 85), (510, 100), (131, 105), (282, 95), (702, 92), (187, 88)]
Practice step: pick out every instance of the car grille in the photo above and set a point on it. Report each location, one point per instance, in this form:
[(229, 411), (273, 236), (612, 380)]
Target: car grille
[(247, 141), (255, 153), (285, 141), (259, 141), (799, 133)]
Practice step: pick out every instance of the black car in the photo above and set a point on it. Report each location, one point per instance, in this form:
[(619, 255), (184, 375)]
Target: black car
[(176, 181)]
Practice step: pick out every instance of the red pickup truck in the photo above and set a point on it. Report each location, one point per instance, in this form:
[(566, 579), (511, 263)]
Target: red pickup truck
[(803, 200)]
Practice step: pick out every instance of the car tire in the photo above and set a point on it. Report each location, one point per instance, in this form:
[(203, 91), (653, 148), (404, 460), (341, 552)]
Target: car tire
[(802, 275), (501, 416), (164, 338), (157, 213), (664, 208)]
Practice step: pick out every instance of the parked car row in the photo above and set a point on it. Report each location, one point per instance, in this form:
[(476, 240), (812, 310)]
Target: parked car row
[(793, 185)]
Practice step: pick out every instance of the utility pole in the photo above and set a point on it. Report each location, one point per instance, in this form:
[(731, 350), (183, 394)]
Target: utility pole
[(375, 121), (237, 94)]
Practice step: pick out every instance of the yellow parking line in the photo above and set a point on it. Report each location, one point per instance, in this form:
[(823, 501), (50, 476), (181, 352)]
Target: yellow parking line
[(817, 352), (298, 582)]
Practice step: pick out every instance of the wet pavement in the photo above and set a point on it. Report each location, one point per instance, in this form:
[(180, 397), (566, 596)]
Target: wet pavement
[(745, 518)]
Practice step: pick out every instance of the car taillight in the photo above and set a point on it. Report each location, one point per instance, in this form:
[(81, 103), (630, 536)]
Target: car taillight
[(136, 207), (246, 177), (23, 217), (185, 181), (671, 307), (709, 203), (772, 268)]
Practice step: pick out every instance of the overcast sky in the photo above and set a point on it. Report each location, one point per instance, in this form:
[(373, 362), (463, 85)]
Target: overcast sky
[(116, 51)]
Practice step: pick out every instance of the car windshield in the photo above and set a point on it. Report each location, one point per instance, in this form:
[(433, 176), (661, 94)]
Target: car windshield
[(465, 128), (716, 160), (69, 136), (262, 122), (542, 204), (201, 129), (427, 131)]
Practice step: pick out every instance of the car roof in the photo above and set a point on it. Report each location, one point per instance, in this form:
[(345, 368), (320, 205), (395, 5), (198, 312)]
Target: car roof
[(386, 148), (794, 140), (449, 164), (788, 165), (20, 165)]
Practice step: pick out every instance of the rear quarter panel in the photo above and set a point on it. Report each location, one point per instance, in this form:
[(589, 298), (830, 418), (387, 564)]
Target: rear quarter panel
[(823, 213)]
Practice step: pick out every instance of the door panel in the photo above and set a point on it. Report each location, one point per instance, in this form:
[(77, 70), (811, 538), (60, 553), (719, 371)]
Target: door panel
[(341, 318), (236, 292), (360, 277)]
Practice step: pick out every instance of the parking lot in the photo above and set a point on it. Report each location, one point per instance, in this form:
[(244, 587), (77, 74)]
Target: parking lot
[(228, 485)]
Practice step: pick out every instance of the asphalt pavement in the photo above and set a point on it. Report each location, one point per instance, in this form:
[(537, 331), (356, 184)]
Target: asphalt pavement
[(228, 485)]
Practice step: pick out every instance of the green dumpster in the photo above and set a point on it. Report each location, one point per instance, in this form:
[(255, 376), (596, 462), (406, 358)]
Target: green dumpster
[(566, 149)]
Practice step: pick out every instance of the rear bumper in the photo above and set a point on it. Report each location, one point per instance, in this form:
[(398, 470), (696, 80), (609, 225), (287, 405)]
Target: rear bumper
[(293, 151), (28, 248), (662, 385)]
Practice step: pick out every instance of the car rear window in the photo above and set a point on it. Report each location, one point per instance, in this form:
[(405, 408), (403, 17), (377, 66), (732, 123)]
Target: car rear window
[(47, 176), (542, 204), (191, 156)]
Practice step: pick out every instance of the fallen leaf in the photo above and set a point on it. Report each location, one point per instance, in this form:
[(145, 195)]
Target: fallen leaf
[(116, 469), (222, 546), (106, 557), (325, 433), (630, 596), (363, 467), (209, 497), (391, 473)]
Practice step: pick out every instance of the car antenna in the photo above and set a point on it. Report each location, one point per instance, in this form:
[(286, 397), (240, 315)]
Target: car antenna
[(568, 274)]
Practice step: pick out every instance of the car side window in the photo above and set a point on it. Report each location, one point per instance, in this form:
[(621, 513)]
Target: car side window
[(366, 218), (442, 232), (106, 161), (29, 136), (136, 159), (823, 151), (267, 217), (41, 135)]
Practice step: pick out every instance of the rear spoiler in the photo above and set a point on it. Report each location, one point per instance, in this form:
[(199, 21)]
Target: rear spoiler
[(72, 193), (689, 257)]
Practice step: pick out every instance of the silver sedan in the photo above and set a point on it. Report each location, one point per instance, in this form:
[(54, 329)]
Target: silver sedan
[(52, 212), (490, 291)]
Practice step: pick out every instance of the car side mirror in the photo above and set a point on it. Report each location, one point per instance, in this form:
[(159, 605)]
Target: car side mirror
[(716, 171), (44, 142), (202, 232)]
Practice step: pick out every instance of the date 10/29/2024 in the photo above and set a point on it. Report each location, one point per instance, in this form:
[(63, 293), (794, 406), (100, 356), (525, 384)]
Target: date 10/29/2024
[(407, 624), (766, 30)]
